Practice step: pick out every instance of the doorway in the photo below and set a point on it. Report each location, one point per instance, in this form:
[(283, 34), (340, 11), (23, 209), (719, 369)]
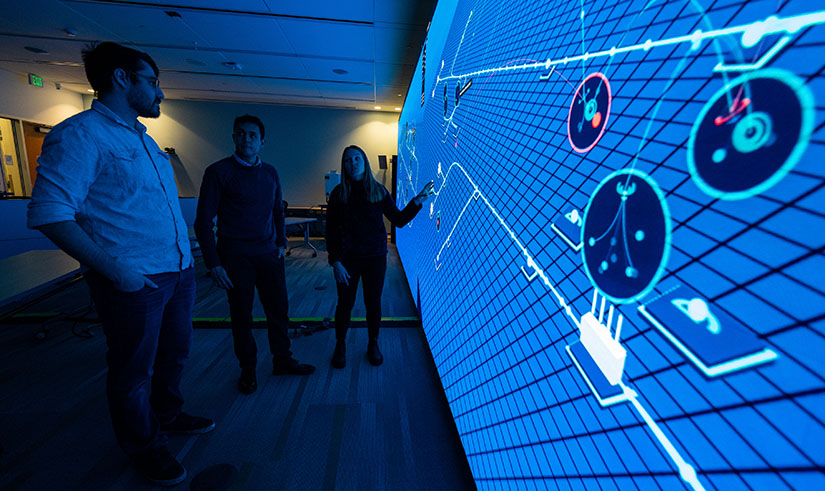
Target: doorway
[(12, 180)]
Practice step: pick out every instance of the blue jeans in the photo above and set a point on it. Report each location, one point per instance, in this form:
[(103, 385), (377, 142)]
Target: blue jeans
[(148, 335)]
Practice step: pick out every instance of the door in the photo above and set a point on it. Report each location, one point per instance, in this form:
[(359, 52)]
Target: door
[(14, 184), (33, 135)]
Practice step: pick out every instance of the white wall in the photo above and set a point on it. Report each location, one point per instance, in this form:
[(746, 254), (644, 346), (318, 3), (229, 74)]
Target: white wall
[(302, 143), (45, 105)]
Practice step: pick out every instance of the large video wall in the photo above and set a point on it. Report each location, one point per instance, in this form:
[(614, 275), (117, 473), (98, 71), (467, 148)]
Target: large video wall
[(621, 275)]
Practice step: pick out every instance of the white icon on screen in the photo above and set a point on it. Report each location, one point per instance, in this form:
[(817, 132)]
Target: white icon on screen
[(698, 311)]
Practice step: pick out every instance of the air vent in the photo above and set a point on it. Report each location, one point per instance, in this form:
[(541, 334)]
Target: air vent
[(232, 65)]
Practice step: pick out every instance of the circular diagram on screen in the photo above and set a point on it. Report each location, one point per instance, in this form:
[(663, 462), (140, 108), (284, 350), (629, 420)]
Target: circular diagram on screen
[(626, 236), (750, 134), (589, 112)]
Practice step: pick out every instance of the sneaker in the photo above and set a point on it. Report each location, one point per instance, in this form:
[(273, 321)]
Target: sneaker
[(339, 356), (160, 467), (290, 366), (185, 423), (373, 353), (248, 383)]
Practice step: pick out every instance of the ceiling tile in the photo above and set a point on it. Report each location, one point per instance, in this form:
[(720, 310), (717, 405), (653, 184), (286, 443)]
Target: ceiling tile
[(398, 45), (51, 73), (238, 31), (409, 12), (46, 18), (242, 5), (359, 10), (136, 24), (321, 69), (329, 38), (360, 92), (12, 47)]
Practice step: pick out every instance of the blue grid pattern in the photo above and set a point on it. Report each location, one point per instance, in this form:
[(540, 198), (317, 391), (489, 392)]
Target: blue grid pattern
[(499, 332)]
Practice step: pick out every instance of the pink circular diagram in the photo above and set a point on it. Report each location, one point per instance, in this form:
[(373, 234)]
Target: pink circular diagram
[(589, 112)]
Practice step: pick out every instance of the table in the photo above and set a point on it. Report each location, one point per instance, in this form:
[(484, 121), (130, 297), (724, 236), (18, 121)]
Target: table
[(302, 223), (31, 276)]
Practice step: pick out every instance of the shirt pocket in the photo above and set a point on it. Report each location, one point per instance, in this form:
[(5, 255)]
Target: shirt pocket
[(166, 169), (125, 173)]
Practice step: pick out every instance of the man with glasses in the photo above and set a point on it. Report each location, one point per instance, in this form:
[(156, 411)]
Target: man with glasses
[(106, 195)]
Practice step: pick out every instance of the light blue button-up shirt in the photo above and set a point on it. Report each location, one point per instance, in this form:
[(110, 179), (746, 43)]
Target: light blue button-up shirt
[(245, 163), (118, 185)]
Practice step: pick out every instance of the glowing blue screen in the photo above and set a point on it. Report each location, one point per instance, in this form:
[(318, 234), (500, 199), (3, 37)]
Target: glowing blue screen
[(621, 274)]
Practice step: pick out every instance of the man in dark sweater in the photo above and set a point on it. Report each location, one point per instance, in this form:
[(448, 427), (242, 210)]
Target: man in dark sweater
[(245, 194)]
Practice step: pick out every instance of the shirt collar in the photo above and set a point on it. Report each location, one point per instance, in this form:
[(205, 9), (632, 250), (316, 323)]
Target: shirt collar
[(101, 108), (245, 163)]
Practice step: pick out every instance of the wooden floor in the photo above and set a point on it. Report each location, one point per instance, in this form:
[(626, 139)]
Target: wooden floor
[(359, 428)]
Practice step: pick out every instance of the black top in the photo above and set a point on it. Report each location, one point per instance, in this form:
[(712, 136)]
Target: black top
[(249, 206), (356, 228)]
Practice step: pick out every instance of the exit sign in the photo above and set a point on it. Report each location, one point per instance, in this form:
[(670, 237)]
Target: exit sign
[(35, 80)]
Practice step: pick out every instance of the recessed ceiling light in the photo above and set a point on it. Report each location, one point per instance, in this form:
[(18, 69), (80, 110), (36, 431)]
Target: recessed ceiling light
[(340, 71), (377, 107), (35, 49), (90, 90), (399, 95), (232, 65), (70, 31), (397, 108)]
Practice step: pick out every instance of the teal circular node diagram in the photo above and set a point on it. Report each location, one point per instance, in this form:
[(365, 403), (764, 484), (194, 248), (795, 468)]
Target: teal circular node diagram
[(750, 134), (589, 112), (625, 236)]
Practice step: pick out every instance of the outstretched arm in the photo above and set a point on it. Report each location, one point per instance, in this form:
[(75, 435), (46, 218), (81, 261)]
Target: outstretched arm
[(403, 217)]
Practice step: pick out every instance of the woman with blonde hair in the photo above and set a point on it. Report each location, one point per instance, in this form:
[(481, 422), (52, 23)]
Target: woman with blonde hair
[(357, 245)]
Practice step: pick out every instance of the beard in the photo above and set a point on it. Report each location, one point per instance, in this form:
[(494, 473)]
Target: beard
[(145, 106)]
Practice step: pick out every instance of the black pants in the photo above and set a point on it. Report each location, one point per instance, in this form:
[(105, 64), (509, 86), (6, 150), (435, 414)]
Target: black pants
[(266, 272), (372, 271)]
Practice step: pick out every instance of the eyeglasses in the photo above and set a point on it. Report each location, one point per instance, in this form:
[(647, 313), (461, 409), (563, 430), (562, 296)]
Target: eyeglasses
[(153, 81)]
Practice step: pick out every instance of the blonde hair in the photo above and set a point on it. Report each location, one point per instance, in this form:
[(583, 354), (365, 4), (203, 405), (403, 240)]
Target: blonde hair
[(375, 192)]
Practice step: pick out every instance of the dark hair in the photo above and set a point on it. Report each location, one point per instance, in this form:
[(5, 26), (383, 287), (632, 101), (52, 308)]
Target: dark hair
[(375, 191), (101, 61), (246, 118)]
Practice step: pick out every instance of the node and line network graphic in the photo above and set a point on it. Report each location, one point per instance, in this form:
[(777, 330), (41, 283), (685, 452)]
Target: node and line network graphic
[(619, 275)]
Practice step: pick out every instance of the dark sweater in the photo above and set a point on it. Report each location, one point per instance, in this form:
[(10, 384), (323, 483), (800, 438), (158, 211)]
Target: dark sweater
[(356, 228), (249, 206)]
